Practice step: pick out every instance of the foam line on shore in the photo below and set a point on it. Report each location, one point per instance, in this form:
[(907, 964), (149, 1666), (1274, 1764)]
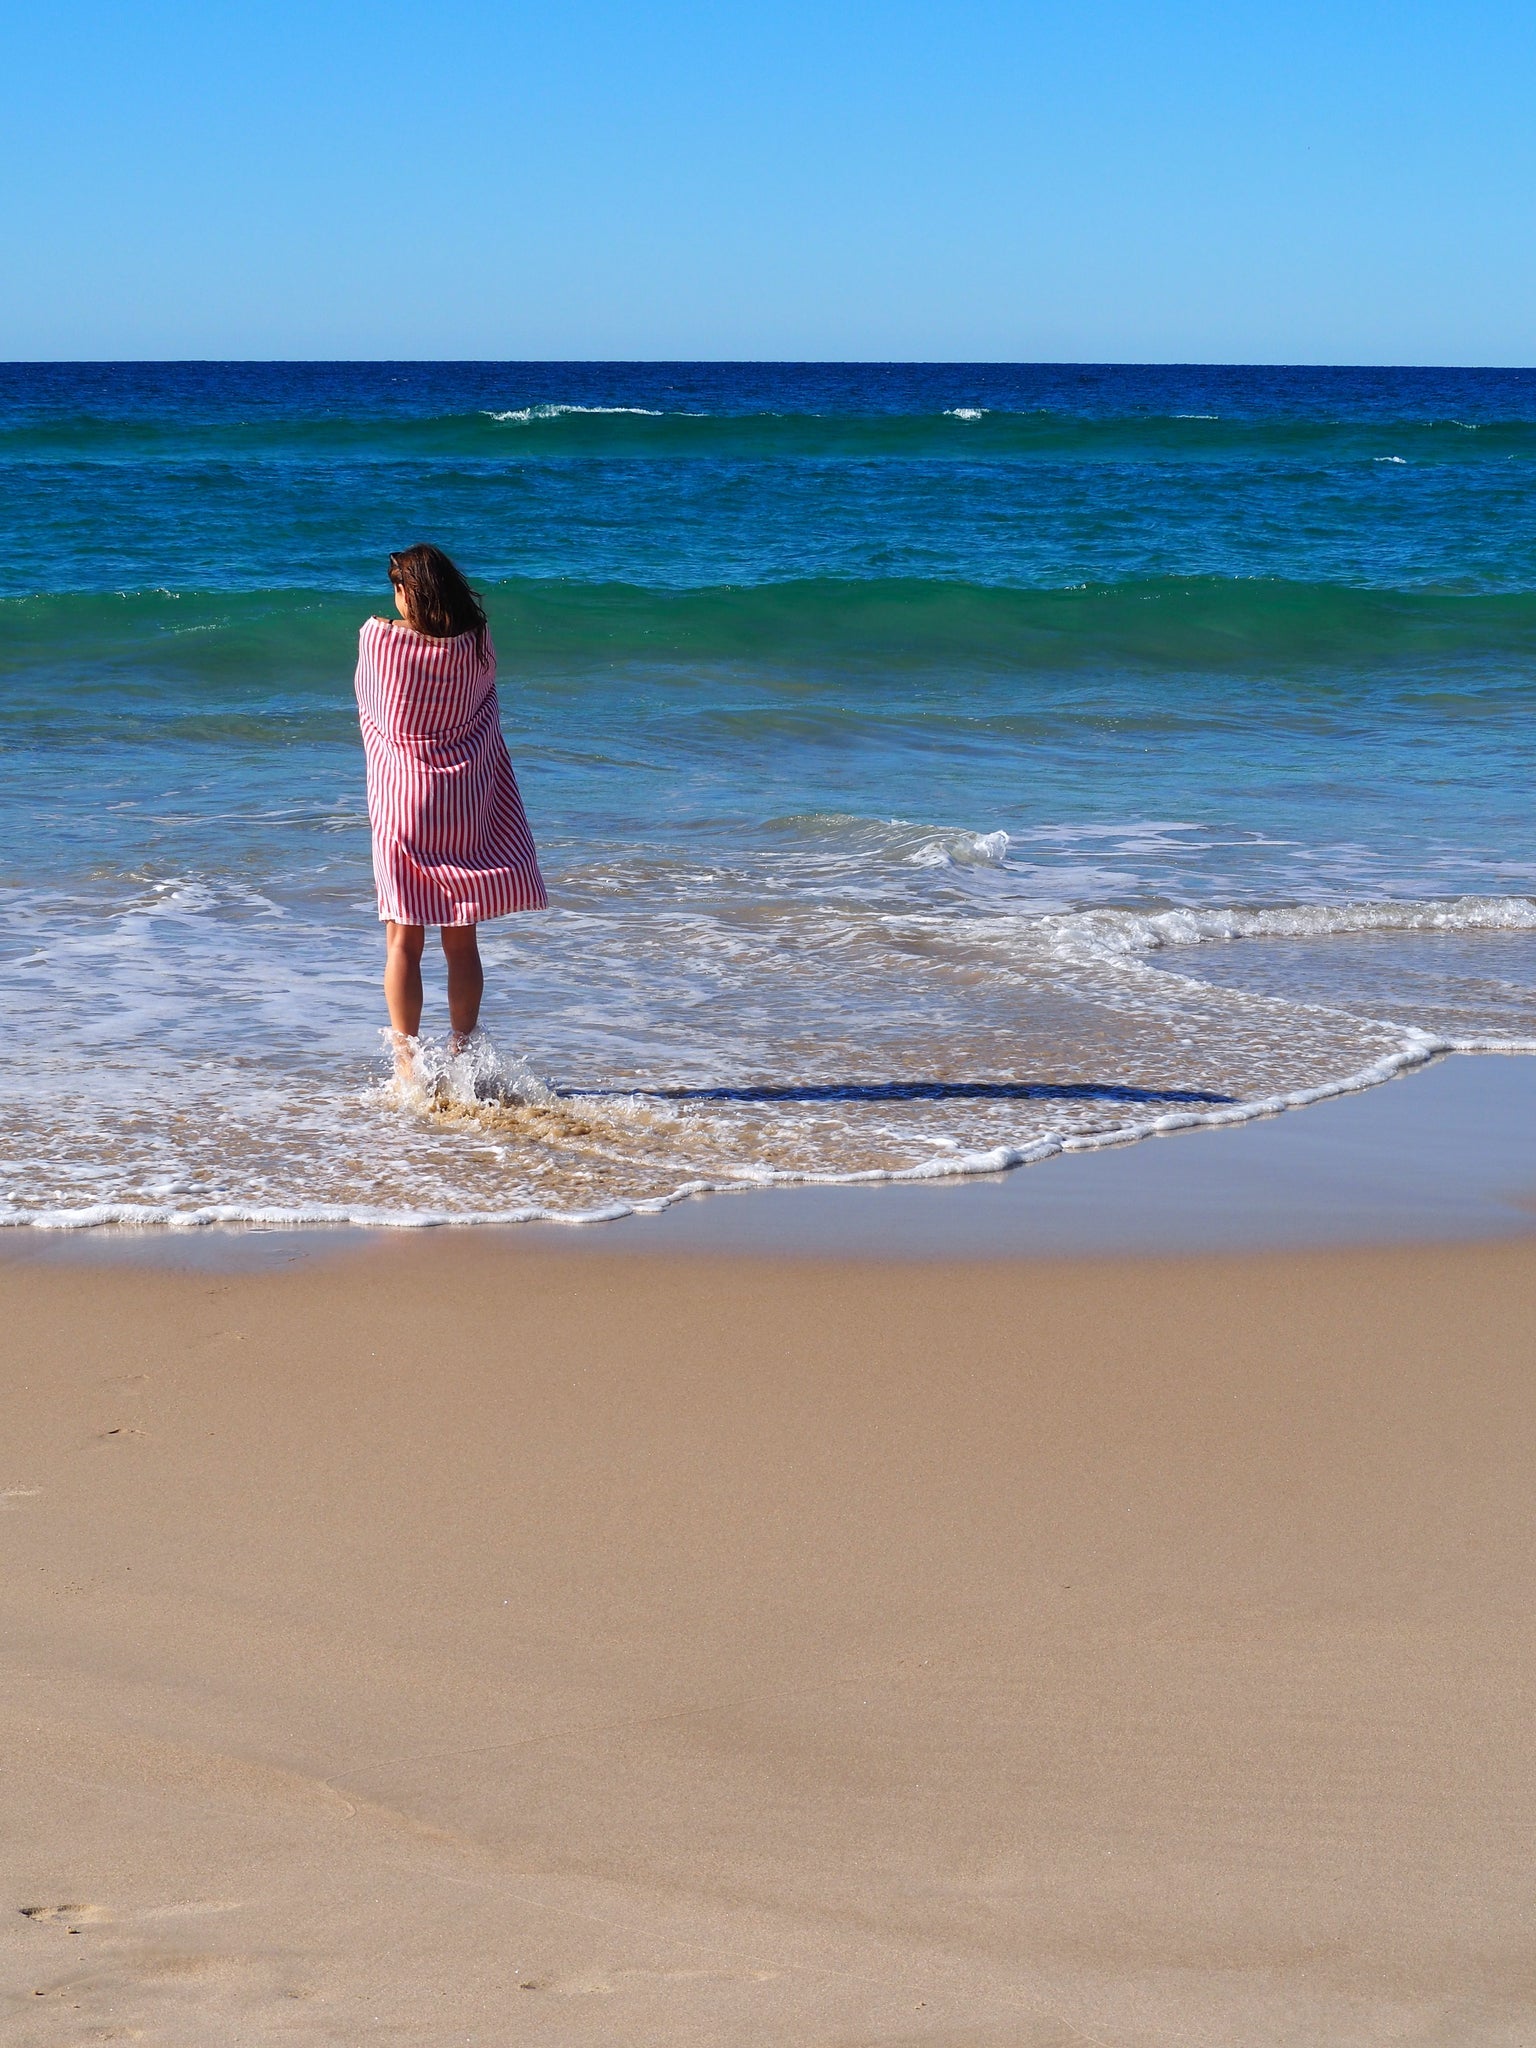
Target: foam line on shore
[(1418, 1049)]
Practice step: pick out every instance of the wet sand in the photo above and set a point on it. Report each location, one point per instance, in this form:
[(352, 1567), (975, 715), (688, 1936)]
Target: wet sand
[(445, 1642)]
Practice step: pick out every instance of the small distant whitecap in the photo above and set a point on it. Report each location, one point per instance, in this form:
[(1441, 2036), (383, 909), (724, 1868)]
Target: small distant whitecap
[(525, 413)]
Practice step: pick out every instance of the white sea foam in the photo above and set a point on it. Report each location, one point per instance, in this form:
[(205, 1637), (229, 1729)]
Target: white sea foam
[(1108, 933), (524, 413), (857, 1000), (1400, 460), (961, 849), (859, 840), (965, 412), (1416, 1049)]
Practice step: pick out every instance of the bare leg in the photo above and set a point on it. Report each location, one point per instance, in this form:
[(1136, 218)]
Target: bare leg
[(402, 986), (466, 980)]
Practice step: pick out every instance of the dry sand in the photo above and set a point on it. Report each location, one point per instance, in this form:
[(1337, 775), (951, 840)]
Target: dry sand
[(447, 1644)]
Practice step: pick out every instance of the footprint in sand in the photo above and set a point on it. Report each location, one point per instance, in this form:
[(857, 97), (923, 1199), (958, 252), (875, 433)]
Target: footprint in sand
[(74, 1917), (77, 1916)]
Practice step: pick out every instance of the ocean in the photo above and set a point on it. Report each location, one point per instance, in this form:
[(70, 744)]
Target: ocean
[(933, 767)]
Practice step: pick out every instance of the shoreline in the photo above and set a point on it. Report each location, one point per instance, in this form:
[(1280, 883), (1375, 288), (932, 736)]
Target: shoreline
[(1438, 1153)]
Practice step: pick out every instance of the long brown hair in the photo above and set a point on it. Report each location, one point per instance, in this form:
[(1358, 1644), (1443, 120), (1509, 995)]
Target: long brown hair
[(437, 599)]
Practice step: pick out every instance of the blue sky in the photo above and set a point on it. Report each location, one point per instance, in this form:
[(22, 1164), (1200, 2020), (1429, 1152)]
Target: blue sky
[(1079, 180)]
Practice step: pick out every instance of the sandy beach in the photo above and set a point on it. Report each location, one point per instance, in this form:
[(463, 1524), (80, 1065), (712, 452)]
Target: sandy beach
[(435, 1643)]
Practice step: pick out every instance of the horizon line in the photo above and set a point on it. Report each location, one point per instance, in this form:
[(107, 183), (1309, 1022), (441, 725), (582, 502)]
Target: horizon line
[(736, 362)]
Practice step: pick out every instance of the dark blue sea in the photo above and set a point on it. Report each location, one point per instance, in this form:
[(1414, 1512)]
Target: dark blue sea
[(934, 767)]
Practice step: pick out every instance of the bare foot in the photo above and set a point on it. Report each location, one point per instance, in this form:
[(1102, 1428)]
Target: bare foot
[(404, 1048)]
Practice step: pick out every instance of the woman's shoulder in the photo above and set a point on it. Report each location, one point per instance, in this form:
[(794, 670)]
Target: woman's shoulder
[(397, 629), (376, 628)]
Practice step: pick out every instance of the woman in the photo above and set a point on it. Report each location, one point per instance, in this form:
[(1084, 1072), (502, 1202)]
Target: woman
[(451, 845)]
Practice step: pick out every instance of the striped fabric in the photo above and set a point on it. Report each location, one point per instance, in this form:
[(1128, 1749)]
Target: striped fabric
[(450, 842)]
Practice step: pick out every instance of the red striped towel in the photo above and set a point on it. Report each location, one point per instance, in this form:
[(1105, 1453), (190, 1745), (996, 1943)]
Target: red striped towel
[(451, 843)]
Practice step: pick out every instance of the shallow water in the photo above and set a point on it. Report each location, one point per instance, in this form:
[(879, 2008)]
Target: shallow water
[(931, 768)]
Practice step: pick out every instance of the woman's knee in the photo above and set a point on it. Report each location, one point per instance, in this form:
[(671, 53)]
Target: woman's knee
[(459, 942), (406, 939)]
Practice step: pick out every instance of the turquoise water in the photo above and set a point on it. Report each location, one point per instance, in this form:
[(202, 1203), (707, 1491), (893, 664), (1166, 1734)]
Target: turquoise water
[(932, 767)]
